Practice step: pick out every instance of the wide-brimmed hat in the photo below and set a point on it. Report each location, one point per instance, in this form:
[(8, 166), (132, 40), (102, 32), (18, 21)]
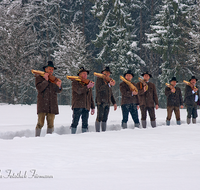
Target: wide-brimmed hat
[(147, 74), (50, 64), (82, 69), (128, 72), (173, 79), (193, 77), (106, 69)]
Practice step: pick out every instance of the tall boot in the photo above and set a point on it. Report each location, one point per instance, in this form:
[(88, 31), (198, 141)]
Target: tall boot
[(84, 130), (50, 130), (73, 130), (144, 123), (168, 122), (103, 126), (97, 126), (188, 120), (37, 132), (178, 122), (153, 124), (137, 125), (194, 120), (124, 125)]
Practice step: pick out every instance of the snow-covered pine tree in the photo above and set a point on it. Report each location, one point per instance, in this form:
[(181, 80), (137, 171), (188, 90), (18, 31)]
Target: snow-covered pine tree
[(116, 39), (16, 55), (47, 20), (194, 41), (143, 11), (116, 36), (72, 54), (168, 38), (79, 13)]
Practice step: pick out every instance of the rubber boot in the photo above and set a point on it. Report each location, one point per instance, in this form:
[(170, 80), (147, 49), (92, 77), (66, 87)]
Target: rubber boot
[(153, 124), (50, 130), (97, 126), (137, 125), (194, 120), (124, 125), (103, 126), (167, 122), (84, 130), (178, 122), (144, 123), (37, 132), (73, 130), (188, 120)]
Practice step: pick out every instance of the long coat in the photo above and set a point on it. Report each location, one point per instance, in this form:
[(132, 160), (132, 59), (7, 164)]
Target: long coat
[(47, 96), (127, 97), (148, 98), (189, 98), (174, 99), (104, 92), (81, 96)]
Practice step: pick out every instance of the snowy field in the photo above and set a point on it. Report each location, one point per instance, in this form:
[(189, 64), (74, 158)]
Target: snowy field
[(163, 158)]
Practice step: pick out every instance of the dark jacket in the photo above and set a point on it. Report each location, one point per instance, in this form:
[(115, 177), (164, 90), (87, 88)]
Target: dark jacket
[(47, 96), (81, 96), (189, 98), (127, 97), (174, 99), (104, 92), (148, 98)]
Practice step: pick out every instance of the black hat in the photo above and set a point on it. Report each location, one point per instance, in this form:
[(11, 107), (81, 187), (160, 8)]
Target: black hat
[(106, 69), (128, 72), (82, 70), (193, 77), (147, 74), (50, 64), (173, 79)]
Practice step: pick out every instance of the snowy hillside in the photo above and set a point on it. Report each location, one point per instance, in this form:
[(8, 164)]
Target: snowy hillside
[(164, 158)]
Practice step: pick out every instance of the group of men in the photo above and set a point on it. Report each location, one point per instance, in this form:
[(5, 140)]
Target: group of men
[(145, 98)]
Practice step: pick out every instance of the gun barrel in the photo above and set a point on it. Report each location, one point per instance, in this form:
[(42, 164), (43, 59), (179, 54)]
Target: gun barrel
[(38, 72), (77, 78), (132, 87), (100, 75)]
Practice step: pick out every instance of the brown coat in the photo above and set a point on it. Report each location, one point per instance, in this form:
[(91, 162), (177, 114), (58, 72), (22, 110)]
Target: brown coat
[(127, 97), (81, 96), (148, 98), (189, 98), (174, 99), (47, 96), (104, 92)]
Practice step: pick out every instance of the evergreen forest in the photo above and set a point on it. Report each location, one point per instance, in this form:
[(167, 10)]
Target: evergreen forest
[(159, 36)]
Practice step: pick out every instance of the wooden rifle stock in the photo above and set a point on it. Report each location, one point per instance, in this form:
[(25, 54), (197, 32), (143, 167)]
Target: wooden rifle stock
[(100, 75), (170, 86), (144, 83), (52, 78), (132, 87), (189, 84), (78, 78)]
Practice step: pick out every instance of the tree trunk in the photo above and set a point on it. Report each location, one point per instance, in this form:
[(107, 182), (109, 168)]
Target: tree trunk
[(83, 19), (141, 32), (59, 23)]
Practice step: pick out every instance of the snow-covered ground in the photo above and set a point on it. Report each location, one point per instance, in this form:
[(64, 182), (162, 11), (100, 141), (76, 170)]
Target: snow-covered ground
[(163, 158)]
